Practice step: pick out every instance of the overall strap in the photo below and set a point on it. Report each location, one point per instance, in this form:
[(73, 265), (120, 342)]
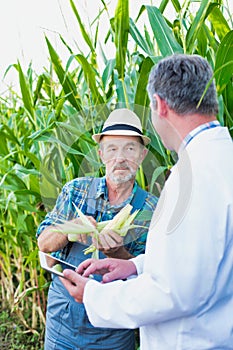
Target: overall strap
[(90, 199), (91, 207), (138, 199)]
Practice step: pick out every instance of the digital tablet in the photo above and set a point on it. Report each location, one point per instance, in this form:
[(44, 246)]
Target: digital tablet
[(54, 265)]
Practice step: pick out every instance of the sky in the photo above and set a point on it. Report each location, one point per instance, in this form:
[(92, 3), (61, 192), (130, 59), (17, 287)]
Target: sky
[(24, 23)]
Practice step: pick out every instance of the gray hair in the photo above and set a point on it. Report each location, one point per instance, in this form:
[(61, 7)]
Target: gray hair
[(180, 80)]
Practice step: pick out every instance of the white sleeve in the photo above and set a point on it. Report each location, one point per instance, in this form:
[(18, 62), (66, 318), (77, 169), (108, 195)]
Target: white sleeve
[(138, 262), (125, 304)]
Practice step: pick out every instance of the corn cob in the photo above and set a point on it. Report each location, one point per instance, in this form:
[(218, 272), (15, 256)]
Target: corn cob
[(120, 224), (101, 225), (72, 229), (119, 219), (69, 227)]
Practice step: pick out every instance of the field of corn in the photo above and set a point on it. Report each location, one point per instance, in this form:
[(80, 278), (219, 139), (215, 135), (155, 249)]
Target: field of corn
[(46, 129)]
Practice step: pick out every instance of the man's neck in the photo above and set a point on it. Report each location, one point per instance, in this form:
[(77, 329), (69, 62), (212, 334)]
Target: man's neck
[(119, 192), (192, 122)]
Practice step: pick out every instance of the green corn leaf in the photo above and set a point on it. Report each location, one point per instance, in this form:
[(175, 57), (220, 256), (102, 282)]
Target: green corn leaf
[(228, 93), (157, 172), (218, 21), (141, 96), (140, 176), (48, 182), (40, 133), (163, 34), (90, 76), (34, 159), (202, 42), (150, 40), (25, 205), (68, 149), (64, 77), (26, 93), (211, 40), (12, 182), (221, 110), (124, 90), (224, 63), (176, 5), (77, 130), (196, 25), (108, 71), (37, 91), (21, 169), (156, 143), (121, 24), (85, 35), (138, 38), (4, 151), (9, 134), (164, 4), (68, 48), (48, 86)]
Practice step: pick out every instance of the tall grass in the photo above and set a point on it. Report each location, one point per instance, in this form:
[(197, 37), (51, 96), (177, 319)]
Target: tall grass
[(46, 130)]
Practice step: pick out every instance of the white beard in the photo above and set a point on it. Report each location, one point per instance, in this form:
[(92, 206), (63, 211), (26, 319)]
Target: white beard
[(120, 179)]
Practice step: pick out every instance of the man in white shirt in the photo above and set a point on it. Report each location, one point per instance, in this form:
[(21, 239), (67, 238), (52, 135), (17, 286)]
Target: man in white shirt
[(182, 293)]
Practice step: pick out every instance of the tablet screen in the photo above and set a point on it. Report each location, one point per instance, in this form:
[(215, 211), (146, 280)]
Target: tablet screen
[(54, 265)]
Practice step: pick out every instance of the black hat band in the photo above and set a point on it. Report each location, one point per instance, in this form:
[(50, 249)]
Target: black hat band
[(122, 127)]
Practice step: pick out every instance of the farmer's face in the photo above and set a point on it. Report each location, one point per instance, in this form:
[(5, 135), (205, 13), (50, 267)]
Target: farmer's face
[(122, 155)]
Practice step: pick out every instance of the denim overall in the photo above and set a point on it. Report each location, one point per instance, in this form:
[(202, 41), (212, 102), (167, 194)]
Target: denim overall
[(67, 324)]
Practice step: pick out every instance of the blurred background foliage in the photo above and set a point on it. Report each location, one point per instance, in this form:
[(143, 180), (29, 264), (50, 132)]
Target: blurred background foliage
[(46, 129)]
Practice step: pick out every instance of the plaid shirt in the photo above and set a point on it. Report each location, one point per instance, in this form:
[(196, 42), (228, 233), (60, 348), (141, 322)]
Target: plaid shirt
[(76, 191)]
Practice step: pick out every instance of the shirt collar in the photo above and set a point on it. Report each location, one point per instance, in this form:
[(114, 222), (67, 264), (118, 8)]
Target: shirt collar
[(188, 138), (102, 189)]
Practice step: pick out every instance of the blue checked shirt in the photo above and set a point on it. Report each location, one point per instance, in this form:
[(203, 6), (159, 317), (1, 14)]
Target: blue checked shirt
[(76, 191), (188, 138)]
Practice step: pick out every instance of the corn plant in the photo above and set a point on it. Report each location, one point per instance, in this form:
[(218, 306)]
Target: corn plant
[(46, 130)]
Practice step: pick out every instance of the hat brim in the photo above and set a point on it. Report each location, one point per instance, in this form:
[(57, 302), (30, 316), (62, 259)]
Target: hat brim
[(96, 137)]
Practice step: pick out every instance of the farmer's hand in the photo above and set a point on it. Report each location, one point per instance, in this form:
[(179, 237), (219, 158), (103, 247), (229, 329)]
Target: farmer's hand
[(111, 244), (79, 237)]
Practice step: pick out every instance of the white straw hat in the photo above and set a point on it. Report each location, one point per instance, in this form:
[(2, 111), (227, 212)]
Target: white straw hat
[(122, 122)]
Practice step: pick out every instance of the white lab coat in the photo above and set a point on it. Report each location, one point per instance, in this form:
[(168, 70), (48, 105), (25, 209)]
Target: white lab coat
[(183, 296)]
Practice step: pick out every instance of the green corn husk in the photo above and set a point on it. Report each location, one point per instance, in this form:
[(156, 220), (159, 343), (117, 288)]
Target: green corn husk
[(121, 224), (119, 219), (68, 227), (84, 219), (89, 249), (101, 225)]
